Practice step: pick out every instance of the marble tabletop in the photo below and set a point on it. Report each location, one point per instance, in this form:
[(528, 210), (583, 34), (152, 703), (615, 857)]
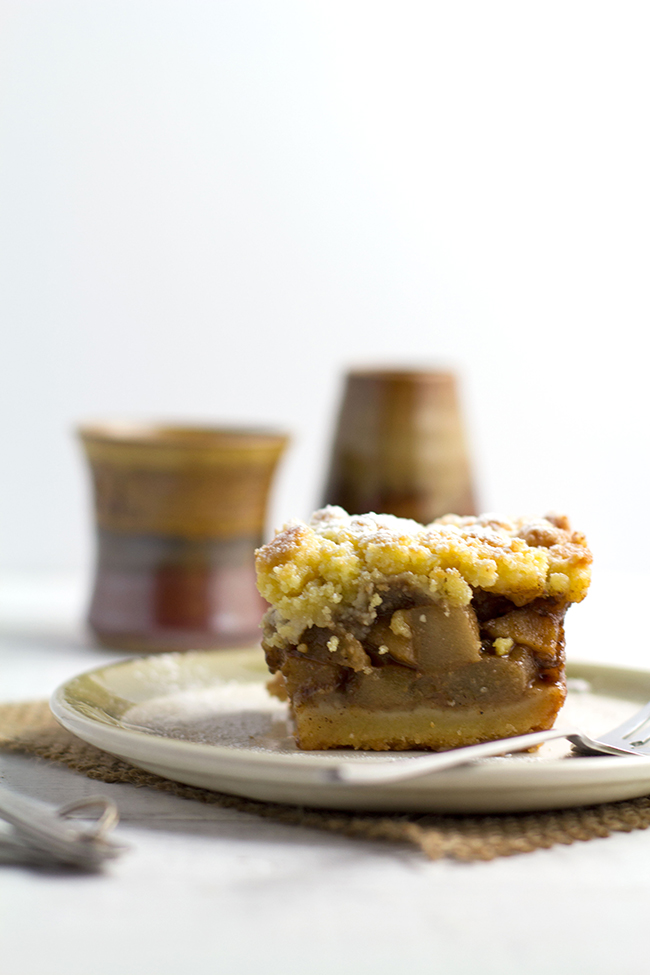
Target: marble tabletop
[(204, 890)]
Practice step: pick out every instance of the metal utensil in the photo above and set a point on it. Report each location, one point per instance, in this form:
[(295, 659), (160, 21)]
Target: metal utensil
[(630, 738), (47, 834)]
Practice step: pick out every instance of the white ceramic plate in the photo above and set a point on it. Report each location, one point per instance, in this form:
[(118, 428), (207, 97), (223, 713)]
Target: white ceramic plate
[(205, 719)]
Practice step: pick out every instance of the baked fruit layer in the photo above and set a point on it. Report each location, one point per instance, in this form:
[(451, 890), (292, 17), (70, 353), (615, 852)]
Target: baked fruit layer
[(386, 634)]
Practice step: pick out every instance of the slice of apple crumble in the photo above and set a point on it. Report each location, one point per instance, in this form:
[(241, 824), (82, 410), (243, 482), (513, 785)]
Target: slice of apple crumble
[(386, 634)]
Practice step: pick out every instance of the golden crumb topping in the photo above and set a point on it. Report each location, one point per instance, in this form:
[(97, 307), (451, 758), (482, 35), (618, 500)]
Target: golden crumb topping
[(338, 564)]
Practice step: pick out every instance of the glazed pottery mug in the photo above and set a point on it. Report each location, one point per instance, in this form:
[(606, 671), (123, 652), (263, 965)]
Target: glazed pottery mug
[(179, 512), (400, 447)]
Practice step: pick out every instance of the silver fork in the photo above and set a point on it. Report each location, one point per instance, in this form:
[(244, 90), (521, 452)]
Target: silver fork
[(42, 833), (630, 738)]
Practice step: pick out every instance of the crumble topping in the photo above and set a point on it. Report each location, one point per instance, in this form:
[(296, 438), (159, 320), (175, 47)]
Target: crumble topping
[(338, 565), (503, 645)]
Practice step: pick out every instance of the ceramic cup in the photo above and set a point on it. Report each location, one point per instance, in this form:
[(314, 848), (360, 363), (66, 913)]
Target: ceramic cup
[(179, 512), (399, 446)]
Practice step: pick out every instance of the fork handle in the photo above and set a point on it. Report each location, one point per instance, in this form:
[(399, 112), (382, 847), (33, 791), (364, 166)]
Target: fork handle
[(398, 769), (43, 828)]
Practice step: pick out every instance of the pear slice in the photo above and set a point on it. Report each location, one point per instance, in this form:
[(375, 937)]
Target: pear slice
[(431, 639), (539, 630)]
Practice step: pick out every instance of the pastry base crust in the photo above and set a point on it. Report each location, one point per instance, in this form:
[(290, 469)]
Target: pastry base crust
[(324, 725)]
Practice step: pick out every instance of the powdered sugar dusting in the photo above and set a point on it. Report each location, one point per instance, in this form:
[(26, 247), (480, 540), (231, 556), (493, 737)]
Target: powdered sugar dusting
[(333, 522), (239, 715)]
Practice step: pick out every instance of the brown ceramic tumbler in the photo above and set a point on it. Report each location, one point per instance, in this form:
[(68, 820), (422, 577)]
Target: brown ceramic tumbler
[(400, 446), (179, 513)]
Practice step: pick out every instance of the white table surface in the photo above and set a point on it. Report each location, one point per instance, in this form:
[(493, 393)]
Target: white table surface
[(205, 890)]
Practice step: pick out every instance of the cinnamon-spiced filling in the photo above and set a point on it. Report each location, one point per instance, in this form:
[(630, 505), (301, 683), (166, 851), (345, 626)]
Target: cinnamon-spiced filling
[(447, 656)]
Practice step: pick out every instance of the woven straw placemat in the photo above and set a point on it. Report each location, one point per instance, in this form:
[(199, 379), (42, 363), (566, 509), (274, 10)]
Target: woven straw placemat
[(30, 728)]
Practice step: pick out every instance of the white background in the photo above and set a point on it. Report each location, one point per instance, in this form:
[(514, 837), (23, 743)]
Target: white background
[(210, 209)]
